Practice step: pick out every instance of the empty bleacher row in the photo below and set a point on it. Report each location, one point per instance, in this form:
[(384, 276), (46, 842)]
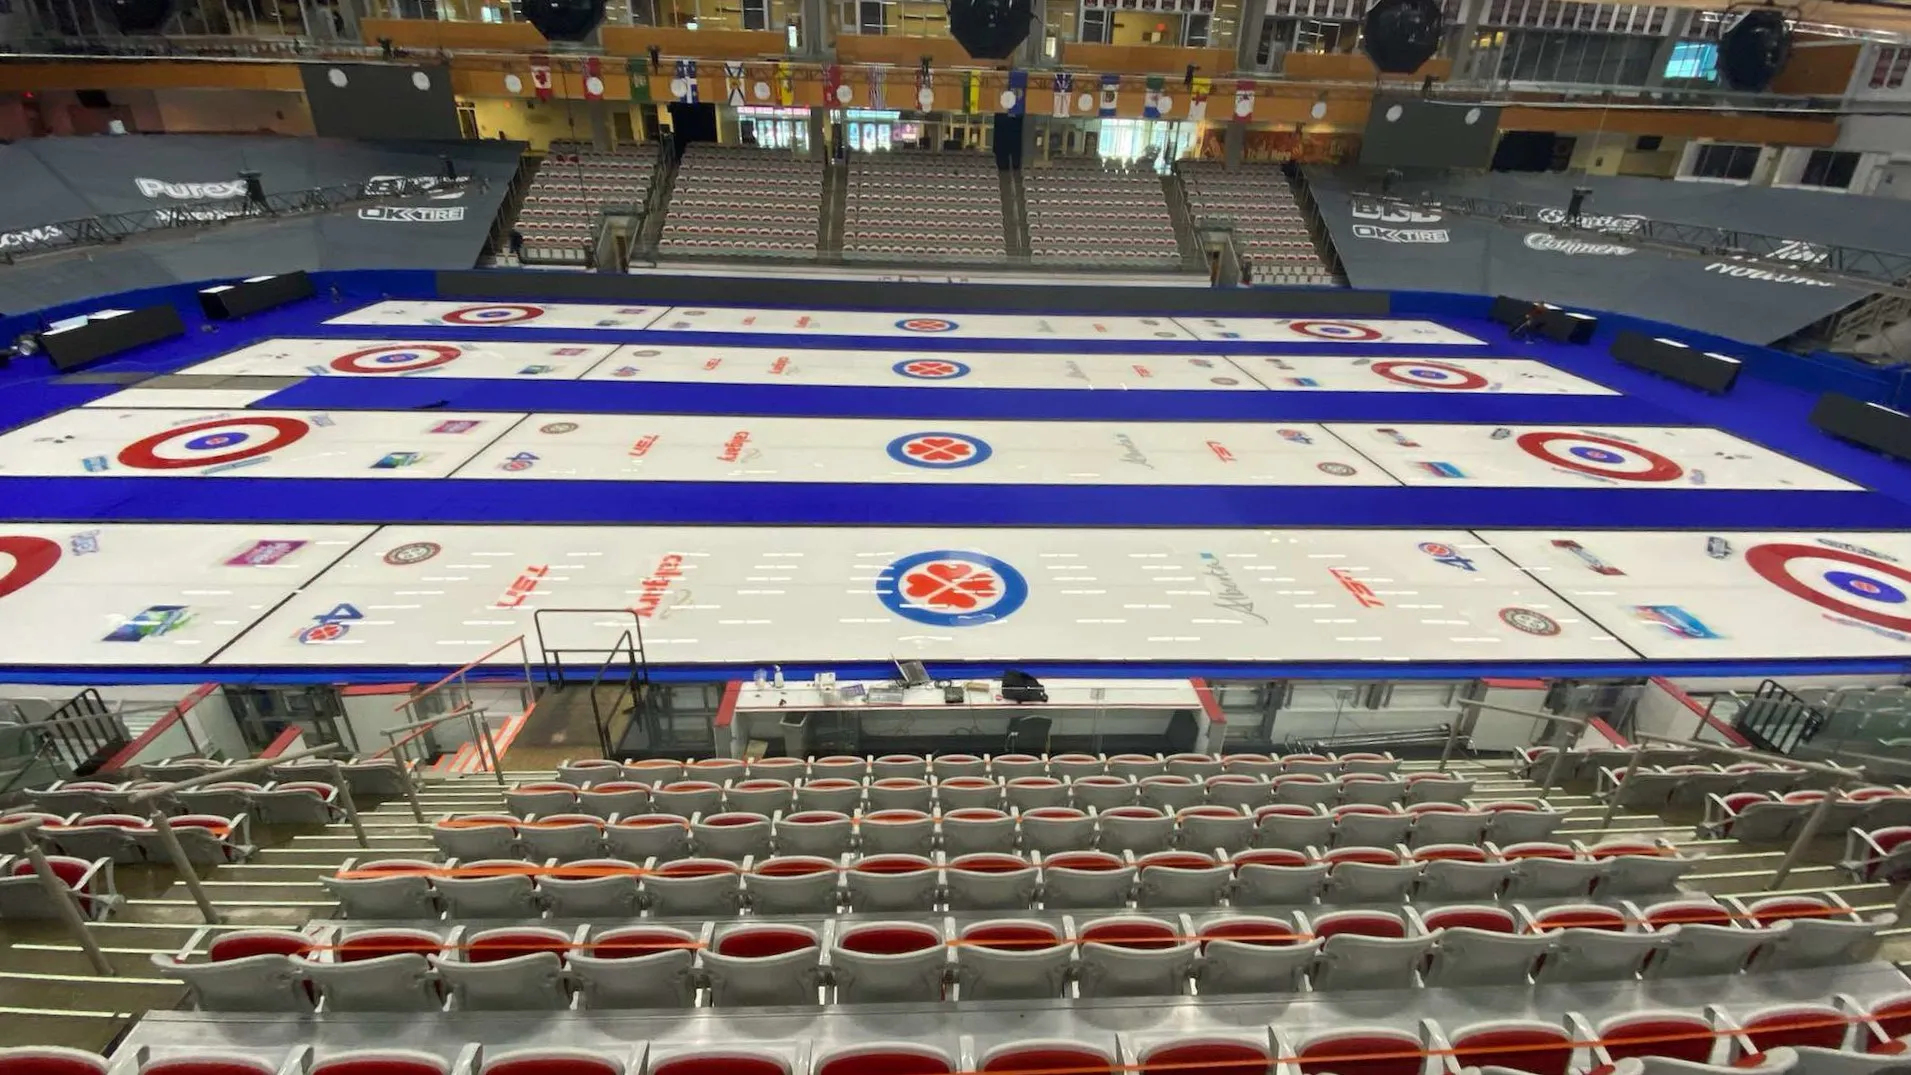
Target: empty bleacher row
[(603, 963), (1085, 214), (1270, 234), (915, 205), (741, 201), (1842, 1034), (573, 185)]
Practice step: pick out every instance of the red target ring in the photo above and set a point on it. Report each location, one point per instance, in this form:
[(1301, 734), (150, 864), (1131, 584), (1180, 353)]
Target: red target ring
[(1539, 445), (32, 557), (502, 314), (367, 361), (1467, 378), (1343, 331), (1771, 563), (143, 454)]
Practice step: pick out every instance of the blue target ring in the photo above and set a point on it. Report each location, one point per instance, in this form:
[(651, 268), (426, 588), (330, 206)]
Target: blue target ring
[(947, 588), (1868, 587), (1596, 455), (216, 440), (927, 324), (931, 369), (939, 450)]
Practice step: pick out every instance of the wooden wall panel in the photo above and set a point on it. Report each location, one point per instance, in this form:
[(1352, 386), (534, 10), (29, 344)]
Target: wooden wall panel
[(434, 34), (1818, 69), (1351, 66), (149, 75), (1167, 60), (907, 51), (1776, 130), (724, 44)]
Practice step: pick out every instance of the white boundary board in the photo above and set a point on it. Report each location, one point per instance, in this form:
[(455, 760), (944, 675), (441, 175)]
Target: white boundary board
[(540, 315), (168, 443), (139, 595), (907, 451), (1633, 457), (129, 594), (407, 358)]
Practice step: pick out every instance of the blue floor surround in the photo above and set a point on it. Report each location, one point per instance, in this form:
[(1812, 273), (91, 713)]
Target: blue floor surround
[(1762, 409)]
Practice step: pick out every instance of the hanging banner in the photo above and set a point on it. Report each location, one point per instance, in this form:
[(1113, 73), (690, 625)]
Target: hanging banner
[(639, 72), (785, 85), (1244, 99), (972, 93), (1015, 98), (835, 94), (684, 86), (925, 89), (877, 98), (541, 77), (1064, 86), (1110, 92), (1151, 101), (733, 83), (1198, 102), (593, 79)]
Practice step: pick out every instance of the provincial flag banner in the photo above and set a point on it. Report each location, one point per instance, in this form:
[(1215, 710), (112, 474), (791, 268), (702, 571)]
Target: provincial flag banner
[(972, 92), (877, 97), (1014, 99), (733, 83), (925, 89), (785, 85), (593, 78), (1064, 86), (1151, 102), (684, 86), (1198, 103), (833, 88), (1244, 99), (1110, 93), (541, 77), (639, 72)]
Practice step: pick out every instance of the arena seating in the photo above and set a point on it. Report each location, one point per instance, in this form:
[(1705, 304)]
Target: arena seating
[(913, 205), (573, 185), (1087, 215), (737, 201), (1270, 234), (1495, 918)]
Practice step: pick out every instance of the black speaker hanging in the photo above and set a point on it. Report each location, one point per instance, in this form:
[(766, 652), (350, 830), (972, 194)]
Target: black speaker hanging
[(564, 20), (141, 16), (1755, 49), (990, 29), (1400, 35)]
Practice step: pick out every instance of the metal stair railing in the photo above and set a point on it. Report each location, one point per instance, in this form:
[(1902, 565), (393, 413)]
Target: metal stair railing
[(1777, 720)]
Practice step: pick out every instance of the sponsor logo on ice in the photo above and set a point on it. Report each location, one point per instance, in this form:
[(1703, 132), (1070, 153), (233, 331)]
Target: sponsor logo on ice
[(1674, 619), (151, 622)]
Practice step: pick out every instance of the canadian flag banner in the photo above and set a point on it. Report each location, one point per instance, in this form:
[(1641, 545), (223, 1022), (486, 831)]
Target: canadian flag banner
[(541, 77), (1244, 99), (1064, 86), (593, 79), (833, 95)]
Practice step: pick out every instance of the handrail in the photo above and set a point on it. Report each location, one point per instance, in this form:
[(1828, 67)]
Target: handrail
[(1754, 755), (256, 765), (64, 900), (1559, 754), (417, 729), (624, 644), (459, 671), (175, 715)]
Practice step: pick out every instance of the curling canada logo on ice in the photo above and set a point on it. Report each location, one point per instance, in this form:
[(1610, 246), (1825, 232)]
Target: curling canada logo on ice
[(1387, 214)]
